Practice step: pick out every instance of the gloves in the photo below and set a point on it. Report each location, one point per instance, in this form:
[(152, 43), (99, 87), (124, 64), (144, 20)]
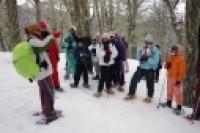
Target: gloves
[(108, 53), (56, 34), (168, 65), (178, 83), (144, 58), (44, 65)]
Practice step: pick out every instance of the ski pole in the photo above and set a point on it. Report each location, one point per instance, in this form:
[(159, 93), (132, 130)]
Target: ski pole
[(161, 94)]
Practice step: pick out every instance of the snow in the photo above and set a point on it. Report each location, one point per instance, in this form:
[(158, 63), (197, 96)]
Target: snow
[(82, 112)]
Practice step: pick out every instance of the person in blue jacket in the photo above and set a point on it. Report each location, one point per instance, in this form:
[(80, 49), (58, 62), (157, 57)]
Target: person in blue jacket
[(148, 57)]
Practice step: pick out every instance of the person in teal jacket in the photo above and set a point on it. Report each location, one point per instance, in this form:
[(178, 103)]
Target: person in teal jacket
[(69, 46), (148, 57)]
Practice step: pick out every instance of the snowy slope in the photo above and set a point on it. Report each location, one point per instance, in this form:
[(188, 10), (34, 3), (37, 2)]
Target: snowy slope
[(83, 113)]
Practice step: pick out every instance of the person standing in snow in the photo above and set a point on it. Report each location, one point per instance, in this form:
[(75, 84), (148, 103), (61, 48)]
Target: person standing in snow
[(33, 33), (148, 57), (126, 65), (106, 54), (196, 105), (93, 50), (53, 53), (176, 68), (81, 54), (119, 72), (70, 44)]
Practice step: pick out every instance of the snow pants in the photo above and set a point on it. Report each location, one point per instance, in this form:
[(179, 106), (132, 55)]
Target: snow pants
[(174, 90), (105, 78), (149, 76), (46, 96), (81, 69), (71, 66), (118, 73), (55, 75)]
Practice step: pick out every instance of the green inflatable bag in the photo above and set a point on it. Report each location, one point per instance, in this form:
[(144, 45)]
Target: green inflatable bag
[(24, 61)]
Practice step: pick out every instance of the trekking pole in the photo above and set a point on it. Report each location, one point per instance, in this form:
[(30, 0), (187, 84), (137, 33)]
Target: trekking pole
[(161, 94)]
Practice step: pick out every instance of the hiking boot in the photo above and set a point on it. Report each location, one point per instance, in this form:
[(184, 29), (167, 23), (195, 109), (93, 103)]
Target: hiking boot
[(59, 89), (147, 100), (97, 94), (177, 110), (96, 77), (73, 85), (110, 91), (167, 104), (130, 97), (51, 117), (86, 86), (120, 88)]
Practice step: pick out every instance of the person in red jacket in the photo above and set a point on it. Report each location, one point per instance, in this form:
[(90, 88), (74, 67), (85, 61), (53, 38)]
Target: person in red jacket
[(53, 53)]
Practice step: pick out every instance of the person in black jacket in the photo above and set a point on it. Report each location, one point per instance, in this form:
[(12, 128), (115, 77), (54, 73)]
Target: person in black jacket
[(82, 55)]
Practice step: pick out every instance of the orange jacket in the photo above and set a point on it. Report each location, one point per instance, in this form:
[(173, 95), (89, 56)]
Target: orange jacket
[(178, 67)]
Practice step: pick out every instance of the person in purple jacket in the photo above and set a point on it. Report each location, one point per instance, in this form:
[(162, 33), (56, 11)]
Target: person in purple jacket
[(118, 67), (196, 107)]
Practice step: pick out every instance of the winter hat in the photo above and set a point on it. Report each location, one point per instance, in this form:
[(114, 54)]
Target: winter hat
[(148, 38), (42, 25), (105, 35), (32, 28), (174, 48)]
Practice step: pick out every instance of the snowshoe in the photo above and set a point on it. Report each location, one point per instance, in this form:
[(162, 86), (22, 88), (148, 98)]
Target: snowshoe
[(110, 92), (86, 86), (74, 85), (59, 89), (147, 100), (97, 94), (95, 78), (120, 88), (167, 104), (177, 110), (130, 97)]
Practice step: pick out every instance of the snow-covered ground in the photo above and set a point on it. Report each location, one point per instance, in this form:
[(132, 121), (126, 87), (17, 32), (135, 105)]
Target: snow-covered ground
[(82, 112)]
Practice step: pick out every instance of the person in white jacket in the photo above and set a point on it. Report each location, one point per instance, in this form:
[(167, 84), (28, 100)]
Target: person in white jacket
[(43, 78), (106, 52)]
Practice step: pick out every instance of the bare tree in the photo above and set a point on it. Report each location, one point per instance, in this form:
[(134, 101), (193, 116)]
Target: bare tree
[(192, 47), (38, 10), (13, 24), (172, 5)]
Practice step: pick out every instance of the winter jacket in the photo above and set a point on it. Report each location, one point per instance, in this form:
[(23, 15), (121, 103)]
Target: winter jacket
[(82, 55), (43, 57), (153, 59), (121, 49), (93, 50), (177, 67), (101, 53)]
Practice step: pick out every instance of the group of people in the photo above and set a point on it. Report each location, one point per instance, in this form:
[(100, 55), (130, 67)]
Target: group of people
[(106, 57)]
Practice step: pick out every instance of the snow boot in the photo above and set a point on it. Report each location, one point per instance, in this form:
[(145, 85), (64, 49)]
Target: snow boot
[(177, 110), (73, 85), (97, 94), (120, 88), (110, 91), (59, 89), (86, 86), (130, 97), (167, 104), (147, 100), (96, 77)]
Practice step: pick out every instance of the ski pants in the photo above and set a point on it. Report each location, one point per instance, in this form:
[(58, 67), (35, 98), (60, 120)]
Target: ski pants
[(81, 69), (46, 96), (105, 78), (174, 90), (137, 76)]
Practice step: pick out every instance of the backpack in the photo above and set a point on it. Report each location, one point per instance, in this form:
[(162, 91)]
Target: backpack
[(24, 61)]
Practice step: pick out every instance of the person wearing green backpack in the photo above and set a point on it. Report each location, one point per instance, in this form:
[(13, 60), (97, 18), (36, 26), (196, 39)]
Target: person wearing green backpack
[(39, 47)]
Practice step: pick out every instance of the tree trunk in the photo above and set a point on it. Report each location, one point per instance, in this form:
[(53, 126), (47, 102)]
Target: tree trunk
[(98, 16), (38, 10), (13, 24), (192, 47), (111, 16)]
